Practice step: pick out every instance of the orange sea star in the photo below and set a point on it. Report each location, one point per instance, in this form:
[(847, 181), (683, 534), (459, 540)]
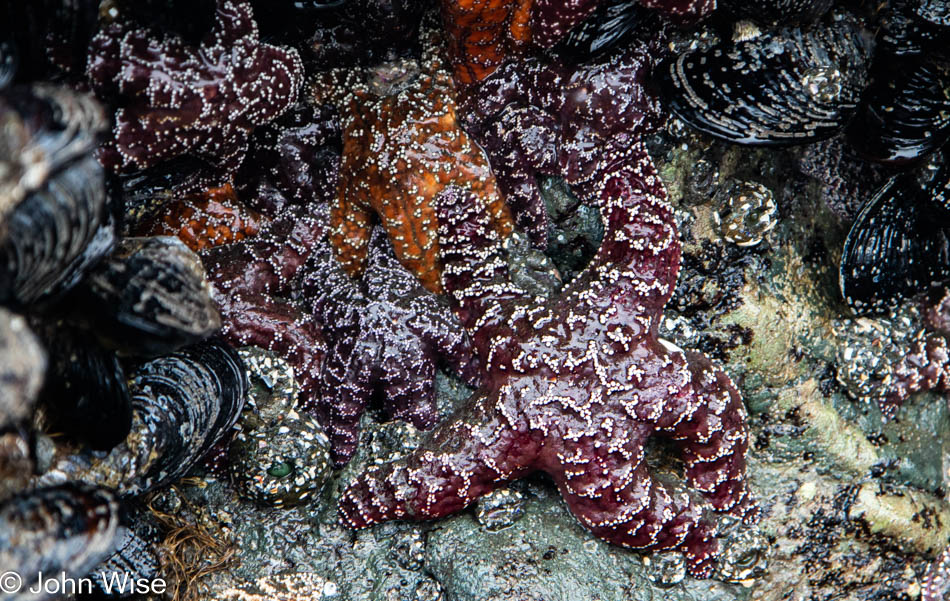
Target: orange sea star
[(402, 146)]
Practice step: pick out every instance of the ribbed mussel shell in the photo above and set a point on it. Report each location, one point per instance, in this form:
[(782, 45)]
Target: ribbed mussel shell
[(54, 219), (151, 297), (611, 24), (790, 86), (897, 247), (182, 404), (60, 531), (905, 114), (86, 393), (22, 365)]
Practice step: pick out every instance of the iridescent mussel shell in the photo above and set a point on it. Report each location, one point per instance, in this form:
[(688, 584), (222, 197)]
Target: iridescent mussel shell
[(54, 219), (789, 86), (86, 393), (149, 298), (22, 366), (906, 112), (62, 531), (612, 23), (182, 404), (897, 247)]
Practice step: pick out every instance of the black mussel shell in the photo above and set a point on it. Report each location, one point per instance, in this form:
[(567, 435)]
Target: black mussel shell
[(54, 214), (790, 86), (22, 365), (182, 404), (185, 402), (86, 390), (61, 530), (906, 112), (936, 12), (777, 11), (611, 24), (905, 33), (898, 246), (149, 298)]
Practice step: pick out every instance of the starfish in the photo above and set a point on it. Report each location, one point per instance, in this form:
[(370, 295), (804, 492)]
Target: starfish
[(401, 146), (536, 117), (251, 282), (386, 333), (285, 291), (201, 101), (212, 218), (485, 34), (575, 385)]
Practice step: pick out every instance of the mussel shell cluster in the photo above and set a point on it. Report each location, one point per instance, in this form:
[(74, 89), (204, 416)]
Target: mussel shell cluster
[(182, 404), (62, 531), (81, 311), (151, 296), (789, 86), (54, 219)]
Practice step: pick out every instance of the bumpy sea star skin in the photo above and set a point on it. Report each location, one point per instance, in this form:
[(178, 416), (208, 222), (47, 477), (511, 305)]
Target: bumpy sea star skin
[(386, 334), (206, 220), (400, 149), (574, 386), (250, 281), (201, 101), (937, 580), (294, 159), (537, 118), (483, 34)]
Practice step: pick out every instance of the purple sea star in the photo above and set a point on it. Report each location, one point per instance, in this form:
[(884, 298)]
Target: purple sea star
[(286, 292), (534, 118), (575, 385), (386, 333), (251, 281), (202, 101)]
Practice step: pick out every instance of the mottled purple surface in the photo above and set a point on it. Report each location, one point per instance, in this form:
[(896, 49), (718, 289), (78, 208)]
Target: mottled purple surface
[(575, 385), (181, 100), (251, 281), (386, 333), (537, 118)]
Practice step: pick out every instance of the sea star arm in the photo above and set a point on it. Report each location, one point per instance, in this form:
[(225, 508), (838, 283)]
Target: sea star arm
[(635, 510), (475, 273), (484, 444), (638, 260), (713, 437)]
